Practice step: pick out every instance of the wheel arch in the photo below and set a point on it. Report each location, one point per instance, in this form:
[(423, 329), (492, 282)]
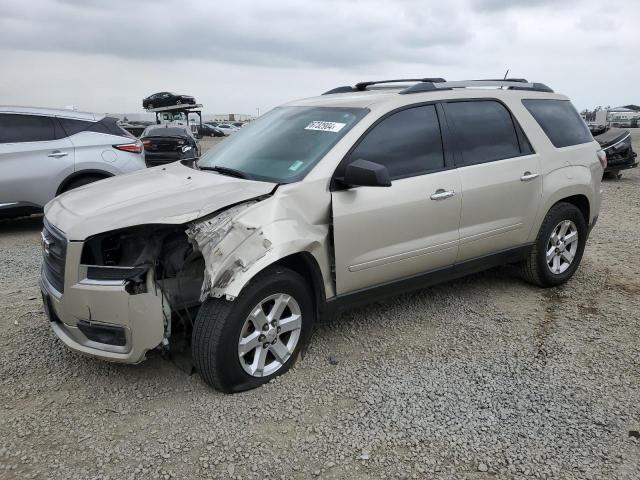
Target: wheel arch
[(581, 202), (307, 266), (573, 185), (79, 174)]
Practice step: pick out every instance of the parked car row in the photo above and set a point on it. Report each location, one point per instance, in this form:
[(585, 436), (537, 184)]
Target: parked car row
[(226, 128)]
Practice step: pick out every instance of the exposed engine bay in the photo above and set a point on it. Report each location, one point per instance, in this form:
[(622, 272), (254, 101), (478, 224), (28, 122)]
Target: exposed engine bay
[(165, 253), (173, 256)]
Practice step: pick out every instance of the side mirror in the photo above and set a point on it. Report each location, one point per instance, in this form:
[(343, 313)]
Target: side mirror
[(363, 173)]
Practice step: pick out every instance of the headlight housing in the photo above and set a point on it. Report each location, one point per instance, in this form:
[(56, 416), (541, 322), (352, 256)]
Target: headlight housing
[(120, 255)]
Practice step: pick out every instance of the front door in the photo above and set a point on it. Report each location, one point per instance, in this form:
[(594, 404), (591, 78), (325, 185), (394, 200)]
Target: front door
[(383, 234)]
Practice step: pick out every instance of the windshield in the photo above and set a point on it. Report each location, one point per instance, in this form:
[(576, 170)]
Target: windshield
[(283, 145)]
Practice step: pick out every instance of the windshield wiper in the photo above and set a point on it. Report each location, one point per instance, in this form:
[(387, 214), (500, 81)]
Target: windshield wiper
[(226, 171)]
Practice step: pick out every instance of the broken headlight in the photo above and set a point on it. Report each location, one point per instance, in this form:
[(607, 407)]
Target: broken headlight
[(120, 255)]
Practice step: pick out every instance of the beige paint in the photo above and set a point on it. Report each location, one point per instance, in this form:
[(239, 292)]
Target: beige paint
[(380, 234)]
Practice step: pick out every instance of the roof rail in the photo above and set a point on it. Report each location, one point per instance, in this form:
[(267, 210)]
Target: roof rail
[(431, 84), (361, 86), (521, 80), (512, 84)]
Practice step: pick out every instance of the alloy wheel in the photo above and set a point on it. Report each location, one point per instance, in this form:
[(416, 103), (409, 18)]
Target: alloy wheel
[(270, 335), (562, 247)]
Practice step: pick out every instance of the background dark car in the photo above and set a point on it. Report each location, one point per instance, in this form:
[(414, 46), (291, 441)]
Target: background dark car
[(209, 131), (166, 99), (616, 143), (166, 144)]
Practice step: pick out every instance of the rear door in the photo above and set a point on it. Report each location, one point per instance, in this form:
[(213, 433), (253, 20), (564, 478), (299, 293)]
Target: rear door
[(35, 157), (500, 176), (383, 234)]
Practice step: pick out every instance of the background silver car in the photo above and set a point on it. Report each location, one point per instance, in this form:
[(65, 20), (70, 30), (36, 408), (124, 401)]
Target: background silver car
[(45, 152)]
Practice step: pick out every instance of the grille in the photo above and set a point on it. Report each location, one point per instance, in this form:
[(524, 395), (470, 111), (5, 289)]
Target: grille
[(54, 253)]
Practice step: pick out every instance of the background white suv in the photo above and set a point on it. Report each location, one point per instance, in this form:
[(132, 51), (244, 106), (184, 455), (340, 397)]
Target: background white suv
[(45, 152)]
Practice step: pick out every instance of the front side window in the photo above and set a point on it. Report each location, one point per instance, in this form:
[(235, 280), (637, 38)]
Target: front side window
[(283, 145), (407, 142), (17, 128), (560, 121), (483, 131)]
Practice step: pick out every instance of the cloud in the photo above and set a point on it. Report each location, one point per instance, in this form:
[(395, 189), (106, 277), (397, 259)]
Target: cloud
[(502, 5), (242, 55), (327, 33)]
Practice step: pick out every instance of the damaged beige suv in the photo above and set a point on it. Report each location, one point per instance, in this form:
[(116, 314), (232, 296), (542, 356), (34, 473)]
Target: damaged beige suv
[(319, 205)]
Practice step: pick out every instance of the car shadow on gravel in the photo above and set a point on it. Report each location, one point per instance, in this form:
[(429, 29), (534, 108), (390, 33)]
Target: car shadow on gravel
[(22, 224)]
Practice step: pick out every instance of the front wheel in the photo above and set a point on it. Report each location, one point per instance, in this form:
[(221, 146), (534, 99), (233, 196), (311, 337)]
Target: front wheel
[(243, 344), (558, 249)]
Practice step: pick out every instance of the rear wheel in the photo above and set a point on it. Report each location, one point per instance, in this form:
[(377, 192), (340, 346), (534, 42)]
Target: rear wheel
[(558, 249), (243, 344), (81, 181)]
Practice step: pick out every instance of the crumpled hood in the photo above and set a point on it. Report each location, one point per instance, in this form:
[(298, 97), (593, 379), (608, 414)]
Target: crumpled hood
[(171, 194)]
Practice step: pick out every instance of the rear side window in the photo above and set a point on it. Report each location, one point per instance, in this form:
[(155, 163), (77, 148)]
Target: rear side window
[(107, 125), (17, 128), (72, 126), (408, 143), (111, 125), (560, 121), (484, 132)]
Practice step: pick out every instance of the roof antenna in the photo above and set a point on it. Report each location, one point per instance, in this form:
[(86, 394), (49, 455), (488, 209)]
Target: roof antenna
[(504, 78)]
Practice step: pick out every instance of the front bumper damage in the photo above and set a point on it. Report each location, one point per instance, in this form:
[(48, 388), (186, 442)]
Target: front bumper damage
[(218, 254), (87, 303), (121, 320)]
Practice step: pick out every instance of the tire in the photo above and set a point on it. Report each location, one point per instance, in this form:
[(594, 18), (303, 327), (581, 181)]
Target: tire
[(81, 181), (150, 106), (220, 324), (535, 268)]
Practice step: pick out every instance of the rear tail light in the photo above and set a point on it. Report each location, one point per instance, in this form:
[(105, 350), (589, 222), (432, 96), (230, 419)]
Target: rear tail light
[(602, 156), (146, 144), (135, 147)]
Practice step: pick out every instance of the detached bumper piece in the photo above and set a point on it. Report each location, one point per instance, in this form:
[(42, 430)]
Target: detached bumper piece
[(106, 334), (616, 143)]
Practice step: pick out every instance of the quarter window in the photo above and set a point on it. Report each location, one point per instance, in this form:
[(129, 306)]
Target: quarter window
[(560, 121), (484, 131), (408, 143), (73, 126), (16, 128)]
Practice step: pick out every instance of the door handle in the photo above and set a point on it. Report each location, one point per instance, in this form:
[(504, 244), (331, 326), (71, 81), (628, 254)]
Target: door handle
[(57, 154), (441, 194), (528, 176)]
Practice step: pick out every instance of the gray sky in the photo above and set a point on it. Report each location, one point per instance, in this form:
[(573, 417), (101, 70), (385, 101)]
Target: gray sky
[(242, 55)]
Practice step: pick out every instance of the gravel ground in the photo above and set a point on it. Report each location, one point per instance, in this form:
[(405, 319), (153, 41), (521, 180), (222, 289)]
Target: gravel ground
[(482, 378)]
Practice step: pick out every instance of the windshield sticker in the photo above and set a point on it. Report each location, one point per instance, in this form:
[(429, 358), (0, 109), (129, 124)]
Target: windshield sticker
[(296, 165), (325, 126)]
